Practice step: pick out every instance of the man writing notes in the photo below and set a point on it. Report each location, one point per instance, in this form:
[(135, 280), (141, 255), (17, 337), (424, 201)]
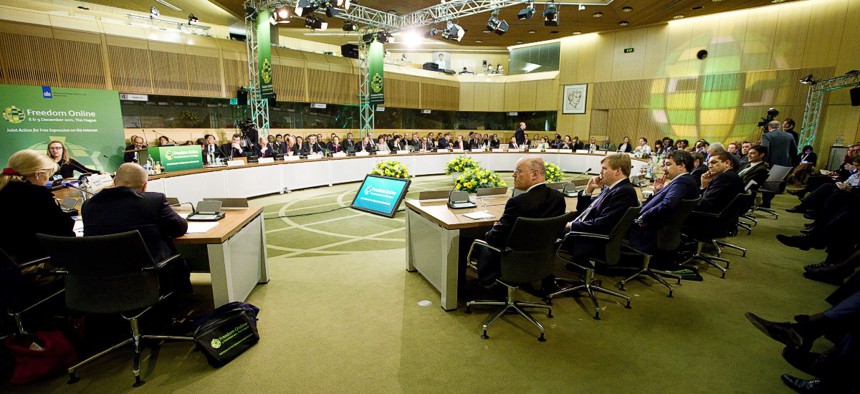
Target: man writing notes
[(127, 207), (600, 214), (538, 201)]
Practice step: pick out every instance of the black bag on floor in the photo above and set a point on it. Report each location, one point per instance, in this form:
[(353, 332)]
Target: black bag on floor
[(227, 332)]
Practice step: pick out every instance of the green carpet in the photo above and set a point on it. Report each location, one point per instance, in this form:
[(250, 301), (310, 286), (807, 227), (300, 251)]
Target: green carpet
[(342, 314)]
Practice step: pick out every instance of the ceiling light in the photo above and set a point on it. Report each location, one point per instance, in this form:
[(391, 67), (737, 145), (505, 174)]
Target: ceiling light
[(528, 12), (499, 26), (316, 23), (281, 15), (623, 23), (478, 41), (192, 19), (343, 4), (453, 32), (433, 32), (576, 33), (306, 7), (550, 14), (519, 41), (807, 80), (626, 8), (582, 7), (153, 12), (251, 12), (349, 26), (531, 32), (597, 14), (678, 17)]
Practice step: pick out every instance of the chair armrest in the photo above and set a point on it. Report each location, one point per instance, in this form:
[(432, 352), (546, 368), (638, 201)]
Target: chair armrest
[(699, 214), (628, 248), (60, 271), (31, 263), (578, 234), (162, 263), (482, 243)]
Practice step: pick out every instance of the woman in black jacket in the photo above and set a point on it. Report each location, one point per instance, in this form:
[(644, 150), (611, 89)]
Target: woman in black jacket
[(66, 165)]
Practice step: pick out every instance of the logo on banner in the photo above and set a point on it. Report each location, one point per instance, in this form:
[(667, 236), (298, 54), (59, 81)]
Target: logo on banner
[(168, 155), (215, 343), (14, 114), (266, 71), (47, 92), (376, 83)]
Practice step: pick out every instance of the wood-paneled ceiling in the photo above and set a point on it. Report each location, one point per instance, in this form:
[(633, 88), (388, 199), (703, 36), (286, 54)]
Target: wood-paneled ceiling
[(572, 20)]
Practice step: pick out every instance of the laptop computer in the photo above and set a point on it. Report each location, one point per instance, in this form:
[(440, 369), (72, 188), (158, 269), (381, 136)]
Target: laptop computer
[(459, 199), (207, 211)]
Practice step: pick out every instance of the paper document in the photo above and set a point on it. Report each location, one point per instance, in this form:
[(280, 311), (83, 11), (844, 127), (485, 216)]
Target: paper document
[(479, 215), (200, 227)]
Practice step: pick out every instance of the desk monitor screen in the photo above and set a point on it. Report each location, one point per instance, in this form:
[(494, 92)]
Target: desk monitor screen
[(380, 195)]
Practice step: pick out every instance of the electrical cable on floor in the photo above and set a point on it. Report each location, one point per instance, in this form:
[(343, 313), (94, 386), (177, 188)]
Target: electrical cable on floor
[(304, 214)]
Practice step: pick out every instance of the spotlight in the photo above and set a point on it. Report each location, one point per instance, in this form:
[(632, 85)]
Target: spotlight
[(453, 32), (251, 12), (153, 12), (306, 7), (582, 7), (331, 12), (528, 12), (315, 23), (192, 19), (807, 80), (433, 32), (550, 14), (350, 27), (343, 4), (281, 15), (499, 26)]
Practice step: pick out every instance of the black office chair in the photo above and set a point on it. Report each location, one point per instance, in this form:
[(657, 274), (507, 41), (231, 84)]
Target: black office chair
[(528, 256), (746, 210), (110, 274), (668, 241), (610, 254), (712, 228), (18, 297), (775, 184)]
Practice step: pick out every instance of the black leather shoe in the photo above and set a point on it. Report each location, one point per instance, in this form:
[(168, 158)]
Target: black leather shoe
[(797, 209), (816, 267), (807, 230), (780, 332), (798, 192), (804, 386), (800, 242), (809, 215), (833, 276), (807, 362)]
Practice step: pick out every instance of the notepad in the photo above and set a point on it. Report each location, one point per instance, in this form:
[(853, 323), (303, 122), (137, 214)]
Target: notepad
[(200, 227), (479, 215)]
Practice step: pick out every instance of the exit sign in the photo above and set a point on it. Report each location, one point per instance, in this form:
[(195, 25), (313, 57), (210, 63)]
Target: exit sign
[(628, 50)]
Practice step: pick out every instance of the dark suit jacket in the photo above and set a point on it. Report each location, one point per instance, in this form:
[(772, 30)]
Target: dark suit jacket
[(232, 152), (30, 209), (657, 208), (123, 209), (608, 211), (539, 202), (129, 157), (758, 174), (625, 148), (443, 144), (370, 147), (720, 192), (697, 174), (335, 149), (781, 148), (349, 145), (285, 149), (520, 136)]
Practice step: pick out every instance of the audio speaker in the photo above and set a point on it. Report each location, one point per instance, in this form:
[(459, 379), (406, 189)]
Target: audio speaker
[(349, 50), (242, 97), (855, 96)]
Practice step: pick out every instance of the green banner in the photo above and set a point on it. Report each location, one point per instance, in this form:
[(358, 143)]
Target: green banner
[(264, 50), (376, 78), (175, 158), (87, 121)]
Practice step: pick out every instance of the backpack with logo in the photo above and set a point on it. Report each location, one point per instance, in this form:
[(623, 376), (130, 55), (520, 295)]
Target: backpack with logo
[(227, 332)]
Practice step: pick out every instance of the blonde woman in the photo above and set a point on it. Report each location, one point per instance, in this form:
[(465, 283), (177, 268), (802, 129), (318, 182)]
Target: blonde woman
[(66, 165), (30, 207)]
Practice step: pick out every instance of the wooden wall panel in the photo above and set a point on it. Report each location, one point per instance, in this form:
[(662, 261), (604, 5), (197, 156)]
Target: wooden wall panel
[(512, 97), (497, 97), (467, 96), (482, 96), (80, 64), (204, 76), (332, 87), (28, 60), (235, 75), (442, 97), (822, 40), (289, 83), (130, 69), (402, 93), (169, 73)]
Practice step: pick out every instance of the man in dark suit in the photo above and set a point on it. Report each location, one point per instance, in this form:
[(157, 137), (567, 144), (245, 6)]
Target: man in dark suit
[(520, 134), (128, 207), (755, 169), (781, 146), (720, 185), (234, 148), (289, 147), (444, 142), (137, 143), (677, 168), (700, 167), (538, 201), (600, 214), (349, 145)]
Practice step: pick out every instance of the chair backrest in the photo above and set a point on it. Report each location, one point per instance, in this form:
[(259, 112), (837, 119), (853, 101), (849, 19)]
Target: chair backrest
[(775, 182), (230, 202), (529, 253), (669, 235), (10, 282), (726, 223), (616, 235), (105, 273)]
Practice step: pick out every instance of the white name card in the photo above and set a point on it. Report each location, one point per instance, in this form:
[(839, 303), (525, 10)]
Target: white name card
[(315, 156), (362, 153), (551, 150), (582, 151), (565, 151), (291, 158), (383, 152), (264, 160), (403, 152), (232, 163), (339, 154), (499, 150), (457, 150)]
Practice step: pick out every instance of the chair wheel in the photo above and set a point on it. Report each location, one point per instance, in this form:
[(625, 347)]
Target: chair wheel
[(138, 382), (73, 378), (468, 310), (670, 294), (485, 336), (549, 315), (596, 316), (541, 338)]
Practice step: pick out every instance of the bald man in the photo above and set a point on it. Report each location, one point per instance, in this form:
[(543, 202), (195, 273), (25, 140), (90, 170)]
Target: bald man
[(538, 201), (127, 207)]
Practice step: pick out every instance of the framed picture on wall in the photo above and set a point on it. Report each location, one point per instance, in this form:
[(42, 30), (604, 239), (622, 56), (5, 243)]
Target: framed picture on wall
[(573, 101)]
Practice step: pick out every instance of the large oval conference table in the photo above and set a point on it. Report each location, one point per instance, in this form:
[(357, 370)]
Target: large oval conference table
[(236, 267)]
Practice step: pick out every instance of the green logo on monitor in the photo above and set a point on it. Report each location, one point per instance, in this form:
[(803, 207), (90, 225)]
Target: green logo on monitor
[(216, 343), (14, 114)]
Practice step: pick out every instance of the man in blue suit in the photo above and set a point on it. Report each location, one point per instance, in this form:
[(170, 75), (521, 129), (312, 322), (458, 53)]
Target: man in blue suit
[(677, 167), (600, 214)]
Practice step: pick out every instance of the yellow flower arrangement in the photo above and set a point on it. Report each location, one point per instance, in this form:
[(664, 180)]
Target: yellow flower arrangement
[(460, 164), (390, 168), (473, 179), (554, 173)]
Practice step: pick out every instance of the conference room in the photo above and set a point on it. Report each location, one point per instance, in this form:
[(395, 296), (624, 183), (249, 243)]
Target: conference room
[(358, 294)]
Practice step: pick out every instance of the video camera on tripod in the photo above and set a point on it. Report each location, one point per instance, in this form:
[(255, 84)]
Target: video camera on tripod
[(771, 115)]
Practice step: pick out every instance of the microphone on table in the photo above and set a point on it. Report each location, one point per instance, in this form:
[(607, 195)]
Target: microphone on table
[(569, 189), (193, 209)]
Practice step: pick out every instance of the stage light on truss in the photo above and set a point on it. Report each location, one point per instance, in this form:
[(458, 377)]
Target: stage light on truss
[(498, 26), (315, 23), (343, 4), (306, 7), (550, 14), (453, 32), (807, 80), (192, 20), (528, 12), (153, 12), (350, 27)]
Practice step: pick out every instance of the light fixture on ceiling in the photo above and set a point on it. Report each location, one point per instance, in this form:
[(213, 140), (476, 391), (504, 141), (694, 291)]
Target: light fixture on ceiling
[(315, 23), (343, 4), (550, 14), (153, 12), (433, 32), (192, 19), (807, 80), (528, 12), (597, 15), (499, 26), (626, 8), (306, 7), (251, 13), (453, 32), (349, 26), (679, 16), (623, 23), (281, 15), (168, 5), (582, 7)]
